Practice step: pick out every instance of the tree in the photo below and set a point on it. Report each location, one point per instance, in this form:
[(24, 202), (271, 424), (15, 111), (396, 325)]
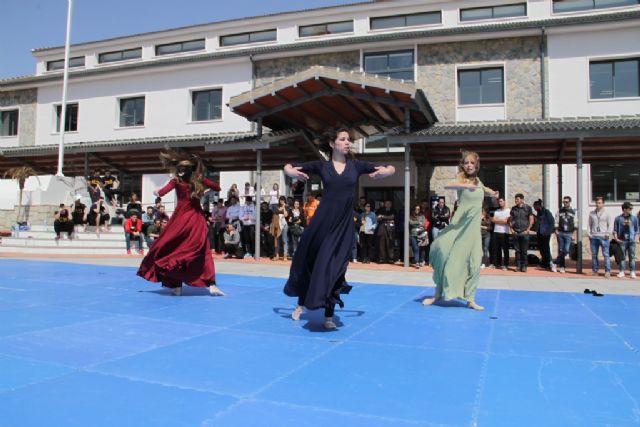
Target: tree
[(20, 174)]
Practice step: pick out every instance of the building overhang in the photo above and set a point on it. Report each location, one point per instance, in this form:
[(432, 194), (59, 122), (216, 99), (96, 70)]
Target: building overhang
[(321, 98), (552, 141)]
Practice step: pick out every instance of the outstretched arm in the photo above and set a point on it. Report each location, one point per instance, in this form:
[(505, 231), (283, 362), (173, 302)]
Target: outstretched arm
[(164, 190), (383, 172), (295, 172), (211, 184)]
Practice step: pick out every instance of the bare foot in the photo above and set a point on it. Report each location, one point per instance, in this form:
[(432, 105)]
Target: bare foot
[(473, 305), (430, 301), (215, 291), (295, 315)]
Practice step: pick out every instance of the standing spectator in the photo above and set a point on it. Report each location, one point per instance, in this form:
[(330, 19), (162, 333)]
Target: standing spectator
[(367, 228), (133, 205), (153, 232), (296, 225), (416, 229), (62, 222), (231, 241), (79, 213), (110, 186), (440, 217), (546, 225), (248, 219), (233, 213), (297, 188), (521, 221), (565, 229), (310, 207), (133, 231), (386, 232), (500, 256), (600, 230), (357, 217), (266, 238), (233, 192), (625, 230), (274, 195), (94, 185), (486, 227), (219, 216), (248, 191), (282, 213)]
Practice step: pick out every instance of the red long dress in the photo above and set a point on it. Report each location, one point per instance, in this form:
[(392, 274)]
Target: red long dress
[(182, 253)]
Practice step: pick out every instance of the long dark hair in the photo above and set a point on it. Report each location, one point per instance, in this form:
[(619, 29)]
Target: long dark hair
[(330, 136), (171, 159)]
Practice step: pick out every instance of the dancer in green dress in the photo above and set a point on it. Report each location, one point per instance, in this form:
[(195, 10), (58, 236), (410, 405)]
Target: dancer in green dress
[(457, 252)]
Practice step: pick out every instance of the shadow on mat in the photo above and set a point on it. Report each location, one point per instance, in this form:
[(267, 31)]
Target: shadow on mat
[(315, 318), (457, 303)]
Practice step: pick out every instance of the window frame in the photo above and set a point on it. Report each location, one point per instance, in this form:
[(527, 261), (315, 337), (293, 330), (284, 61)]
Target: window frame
[(57, 112), (404, 16), (493, 10), (120, 111), (583, 9), (221, 39), (480, 68), (614, 185), (192, 109), (121, 52), (52, 67), (387, 72), (327, 32), (182, 49), (16, 133), (592, 61)]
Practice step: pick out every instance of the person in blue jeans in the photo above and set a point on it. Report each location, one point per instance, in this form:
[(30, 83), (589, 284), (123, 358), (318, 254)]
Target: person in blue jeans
[(565, 230), (625, 231), (600, 231), (416, 229)]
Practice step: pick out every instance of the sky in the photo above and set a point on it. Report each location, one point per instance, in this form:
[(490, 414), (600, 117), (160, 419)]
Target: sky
[(29, 24)]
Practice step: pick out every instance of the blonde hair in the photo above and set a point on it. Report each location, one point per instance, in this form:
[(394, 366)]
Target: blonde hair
[(462, 175), (171, 159)]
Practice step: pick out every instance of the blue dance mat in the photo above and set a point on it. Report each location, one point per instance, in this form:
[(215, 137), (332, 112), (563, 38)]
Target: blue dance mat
[(84, 345)]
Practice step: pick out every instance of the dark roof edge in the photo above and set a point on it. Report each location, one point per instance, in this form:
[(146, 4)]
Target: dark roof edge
[(475, 29)]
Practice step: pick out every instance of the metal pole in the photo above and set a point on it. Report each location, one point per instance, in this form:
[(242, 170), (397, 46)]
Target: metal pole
[(407, 206), (579, 204), (258, 194), (65, 78)]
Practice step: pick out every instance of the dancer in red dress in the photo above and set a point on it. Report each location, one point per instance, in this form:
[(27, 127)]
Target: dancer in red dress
[(182, 254)]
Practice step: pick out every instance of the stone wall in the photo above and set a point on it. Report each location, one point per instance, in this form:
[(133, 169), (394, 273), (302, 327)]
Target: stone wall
[(35, 215), (25, 100), (525, 179), (269, 70), (521, 59)]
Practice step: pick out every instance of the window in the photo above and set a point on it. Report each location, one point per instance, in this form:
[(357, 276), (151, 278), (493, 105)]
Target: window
[(617, 182), (121, 55), (493, 12), (614, 79), (187, 46), (397, 65), (78, 61), (206, 105), (481, 86), (244, 38), (322, 29), (9, 123), (71, 118), (395, 21), (132, 112), (574, 5)]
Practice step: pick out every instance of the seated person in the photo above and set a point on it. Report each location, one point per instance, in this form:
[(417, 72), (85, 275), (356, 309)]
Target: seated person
[(153, 232), (231, 241), (133, 231), (99, 215), (63, 222), (79, 213)]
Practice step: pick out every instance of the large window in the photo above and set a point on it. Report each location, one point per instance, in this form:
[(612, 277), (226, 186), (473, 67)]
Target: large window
[(178, 47), (244, 38), (481, 86), (415, 19), (132, 112), (616, 182), (9, 123), (614, 79), (206, 105), (71, 118), (493, 12), (322, 29), (120, 55), (397, 65), (78, 61), (575, 5)]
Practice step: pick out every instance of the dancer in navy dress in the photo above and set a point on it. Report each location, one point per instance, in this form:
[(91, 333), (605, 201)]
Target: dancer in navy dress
[(317, 275)]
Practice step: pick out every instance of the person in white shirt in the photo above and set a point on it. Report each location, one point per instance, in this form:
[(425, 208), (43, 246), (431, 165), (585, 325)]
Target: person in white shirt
[(600, 233), (233, 213), (274, 195), (248, 221), (248, 191), (500, 253)]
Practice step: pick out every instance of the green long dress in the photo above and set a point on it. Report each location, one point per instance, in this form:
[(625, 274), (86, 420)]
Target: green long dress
[(456, 253)]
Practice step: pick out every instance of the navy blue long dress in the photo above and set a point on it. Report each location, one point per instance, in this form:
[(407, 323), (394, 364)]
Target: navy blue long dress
[(319, 265)]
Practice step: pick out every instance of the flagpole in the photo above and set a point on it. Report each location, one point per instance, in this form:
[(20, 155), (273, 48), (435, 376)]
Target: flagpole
[(65, 78)]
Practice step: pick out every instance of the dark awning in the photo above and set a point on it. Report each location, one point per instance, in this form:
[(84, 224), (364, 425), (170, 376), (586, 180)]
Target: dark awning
[(549, 141), (321, 98)]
